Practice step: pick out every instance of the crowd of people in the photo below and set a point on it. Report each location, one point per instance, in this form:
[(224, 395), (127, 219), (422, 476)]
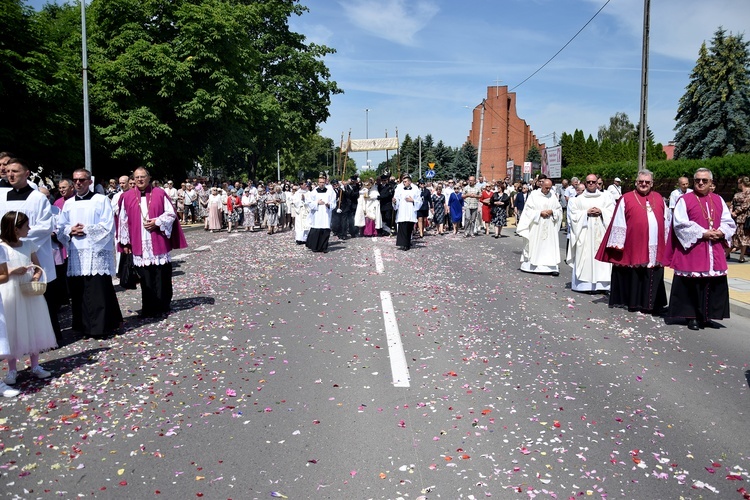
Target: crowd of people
[(66, 252), (78, 237), (620, 243)]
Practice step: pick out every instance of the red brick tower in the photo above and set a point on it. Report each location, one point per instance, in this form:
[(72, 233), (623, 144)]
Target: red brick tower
[(505, 135)]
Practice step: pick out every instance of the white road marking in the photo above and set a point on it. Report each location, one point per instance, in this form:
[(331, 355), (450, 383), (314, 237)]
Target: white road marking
[(378, 261), (399, 369)]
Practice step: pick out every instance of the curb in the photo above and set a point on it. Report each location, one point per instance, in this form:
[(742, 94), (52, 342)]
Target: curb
[(736, 308)]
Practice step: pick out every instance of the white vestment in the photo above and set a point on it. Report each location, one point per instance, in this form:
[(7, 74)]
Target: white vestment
[(586, 234), (542, 251), (301, 215), (368, 207), (41, 225), (320, 214), (406, 211), (94, 253), (675, 195), (615, 191)]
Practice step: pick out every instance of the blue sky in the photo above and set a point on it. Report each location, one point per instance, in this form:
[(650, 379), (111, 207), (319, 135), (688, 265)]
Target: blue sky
[(416, 64), (420, 65)]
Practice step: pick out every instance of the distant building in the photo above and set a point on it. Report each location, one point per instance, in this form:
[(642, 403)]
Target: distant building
[(505, 136), (669, 149)]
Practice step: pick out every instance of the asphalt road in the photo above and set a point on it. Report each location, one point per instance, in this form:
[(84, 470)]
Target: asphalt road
[(273, 378)]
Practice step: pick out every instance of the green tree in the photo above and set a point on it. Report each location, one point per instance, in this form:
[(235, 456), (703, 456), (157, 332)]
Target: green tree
[(534, 155), (40, 85), (566, 141), (177, 80), (314, 156), (713, 116), (591, 151), (465, 161), (578, 149), (444, 156), (620, 129), (606, 154)]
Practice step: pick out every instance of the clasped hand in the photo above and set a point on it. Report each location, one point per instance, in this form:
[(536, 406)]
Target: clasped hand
[(713, 235), (150, 225), (77, 230)]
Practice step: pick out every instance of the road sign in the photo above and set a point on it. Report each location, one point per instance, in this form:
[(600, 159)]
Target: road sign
[(430, 174)]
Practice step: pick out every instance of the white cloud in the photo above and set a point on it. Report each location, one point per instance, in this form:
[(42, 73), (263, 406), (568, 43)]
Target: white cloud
[(397, 21), (678, 29)]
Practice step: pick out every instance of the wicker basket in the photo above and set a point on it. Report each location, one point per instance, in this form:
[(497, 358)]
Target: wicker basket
[(35, 287)]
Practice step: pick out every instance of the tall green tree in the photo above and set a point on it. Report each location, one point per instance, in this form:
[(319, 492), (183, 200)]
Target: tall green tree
[(713, 116), (566, 141), (606, 154), (40, 85), (444, 156), (578, 148), (175, 80), (591, 151), (620, 129), (465, 162), (534, 155)]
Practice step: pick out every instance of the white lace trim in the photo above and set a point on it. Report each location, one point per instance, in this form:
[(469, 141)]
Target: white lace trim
[(709, 274), (617, 237), (91, 262)]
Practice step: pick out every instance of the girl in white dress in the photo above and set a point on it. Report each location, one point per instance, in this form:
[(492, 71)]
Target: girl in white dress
[(5, 391), (26, 318)]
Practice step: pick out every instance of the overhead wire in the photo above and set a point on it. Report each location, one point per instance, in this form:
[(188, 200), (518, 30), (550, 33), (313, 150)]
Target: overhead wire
[(563, 47)]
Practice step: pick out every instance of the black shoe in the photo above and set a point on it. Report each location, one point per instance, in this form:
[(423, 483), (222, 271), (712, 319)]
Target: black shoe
[(555, 273), (693, 325)]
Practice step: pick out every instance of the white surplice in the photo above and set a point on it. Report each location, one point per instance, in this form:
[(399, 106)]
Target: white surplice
[(586, 234), (94, 253), (542, 251), (320, 214)]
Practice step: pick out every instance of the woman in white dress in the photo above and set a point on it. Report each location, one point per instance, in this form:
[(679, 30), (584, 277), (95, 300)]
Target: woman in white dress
[(214, 210), (26, 316), (368, 216)]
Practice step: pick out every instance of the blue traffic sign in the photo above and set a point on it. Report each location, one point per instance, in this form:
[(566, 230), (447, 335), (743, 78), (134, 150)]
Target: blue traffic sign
[(430, 174)]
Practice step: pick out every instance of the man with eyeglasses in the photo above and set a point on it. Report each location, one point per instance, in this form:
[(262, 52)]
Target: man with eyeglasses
[(148, 228), (589, 214), (702, 229), (87, 227), (634, 244), (539, 224)]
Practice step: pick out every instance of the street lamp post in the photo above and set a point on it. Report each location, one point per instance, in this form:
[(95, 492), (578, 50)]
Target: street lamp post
[(367, 133), (481, 134), (86, 120)]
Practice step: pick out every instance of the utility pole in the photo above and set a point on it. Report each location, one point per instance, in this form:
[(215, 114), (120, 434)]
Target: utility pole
[(86, 119), (481, 139), (367, 133), (643, 132), (420, 157)]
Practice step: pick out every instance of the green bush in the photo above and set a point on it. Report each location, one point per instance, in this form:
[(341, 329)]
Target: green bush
[(726, 170)]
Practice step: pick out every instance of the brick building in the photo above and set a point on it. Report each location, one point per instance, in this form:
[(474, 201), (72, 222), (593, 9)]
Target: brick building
[(505, 135)]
